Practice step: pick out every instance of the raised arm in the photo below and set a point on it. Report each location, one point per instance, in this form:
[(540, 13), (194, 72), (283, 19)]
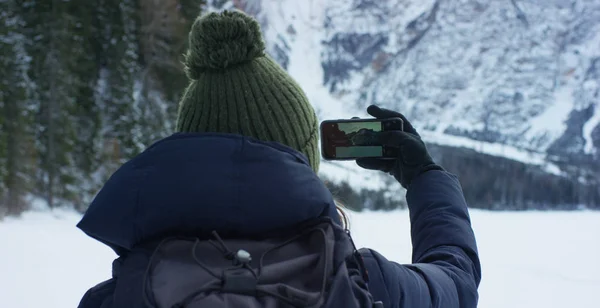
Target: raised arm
[(446, 271)]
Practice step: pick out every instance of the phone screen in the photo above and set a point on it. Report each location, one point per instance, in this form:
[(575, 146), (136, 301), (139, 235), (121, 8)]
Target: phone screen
[(348, 140)]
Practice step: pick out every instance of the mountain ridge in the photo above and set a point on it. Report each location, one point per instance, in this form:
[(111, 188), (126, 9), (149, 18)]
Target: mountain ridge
[(517, 80)]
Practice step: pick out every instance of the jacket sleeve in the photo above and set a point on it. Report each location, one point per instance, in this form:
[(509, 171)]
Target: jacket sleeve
[(446, 271)]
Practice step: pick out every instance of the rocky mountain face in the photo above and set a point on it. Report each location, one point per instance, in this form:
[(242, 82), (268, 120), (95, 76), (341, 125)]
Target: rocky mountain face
[(506, 92), (522, 73)]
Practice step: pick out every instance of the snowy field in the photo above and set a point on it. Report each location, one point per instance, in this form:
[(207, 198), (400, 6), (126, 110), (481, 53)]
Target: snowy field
[(534, 259)]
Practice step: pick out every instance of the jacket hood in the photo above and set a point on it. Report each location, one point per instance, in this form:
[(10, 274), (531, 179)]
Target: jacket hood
[(194, 183)]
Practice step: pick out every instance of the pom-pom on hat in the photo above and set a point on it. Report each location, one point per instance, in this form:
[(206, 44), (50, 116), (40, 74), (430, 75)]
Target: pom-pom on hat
[(235, 87)]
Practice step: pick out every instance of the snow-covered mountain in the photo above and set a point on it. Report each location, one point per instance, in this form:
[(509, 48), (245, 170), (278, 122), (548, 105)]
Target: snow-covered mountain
[(515, 79)]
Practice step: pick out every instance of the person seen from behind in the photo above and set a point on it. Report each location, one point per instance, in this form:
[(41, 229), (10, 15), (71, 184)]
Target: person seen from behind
[(229, 210)]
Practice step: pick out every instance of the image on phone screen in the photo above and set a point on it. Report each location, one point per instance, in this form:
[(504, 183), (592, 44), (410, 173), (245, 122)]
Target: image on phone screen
[(352, 139)]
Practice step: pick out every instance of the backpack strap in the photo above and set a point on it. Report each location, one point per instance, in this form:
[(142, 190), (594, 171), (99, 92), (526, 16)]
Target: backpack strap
[(358, 258), (360, 261), (99, 296), (116, 267)]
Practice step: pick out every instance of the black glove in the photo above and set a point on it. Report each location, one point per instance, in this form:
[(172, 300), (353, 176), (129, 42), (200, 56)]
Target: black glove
[(413, 156)]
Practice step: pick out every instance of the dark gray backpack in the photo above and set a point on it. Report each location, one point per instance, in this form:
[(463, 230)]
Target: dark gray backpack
[(311, 265)]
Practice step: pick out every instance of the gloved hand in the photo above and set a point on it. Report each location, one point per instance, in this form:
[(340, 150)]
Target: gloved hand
[(413, 160)]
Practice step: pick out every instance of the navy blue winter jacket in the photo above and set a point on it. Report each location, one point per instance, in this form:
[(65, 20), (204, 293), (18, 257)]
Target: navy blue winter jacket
[(189, 183)]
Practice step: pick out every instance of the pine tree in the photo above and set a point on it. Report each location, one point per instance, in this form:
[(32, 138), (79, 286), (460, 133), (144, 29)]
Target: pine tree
[(117, 24), (82, 63), (15, 116), (163, 40), (49, 45)]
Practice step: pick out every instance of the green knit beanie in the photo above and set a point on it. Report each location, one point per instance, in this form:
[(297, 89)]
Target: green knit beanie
[(235, 87)]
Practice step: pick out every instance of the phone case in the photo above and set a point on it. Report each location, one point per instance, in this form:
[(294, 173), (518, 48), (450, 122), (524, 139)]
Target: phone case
[(328, 148)]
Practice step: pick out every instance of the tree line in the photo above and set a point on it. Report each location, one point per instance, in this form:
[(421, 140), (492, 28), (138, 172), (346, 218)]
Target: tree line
[(85, 85), (495, 183)]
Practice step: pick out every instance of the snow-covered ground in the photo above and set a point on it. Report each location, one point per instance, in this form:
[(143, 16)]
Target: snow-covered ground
[(531, 259)]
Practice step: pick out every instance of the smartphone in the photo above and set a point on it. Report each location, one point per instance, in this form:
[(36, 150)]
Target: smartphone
[(357, 138)]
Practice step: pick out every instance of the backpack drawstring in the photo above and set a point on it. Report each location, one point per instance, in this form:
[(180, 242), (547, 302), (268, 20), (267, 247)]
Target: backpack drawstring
[(229, 255), (241, 260), (245, 264), (147, 272), (204, 267), (290, 300)]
